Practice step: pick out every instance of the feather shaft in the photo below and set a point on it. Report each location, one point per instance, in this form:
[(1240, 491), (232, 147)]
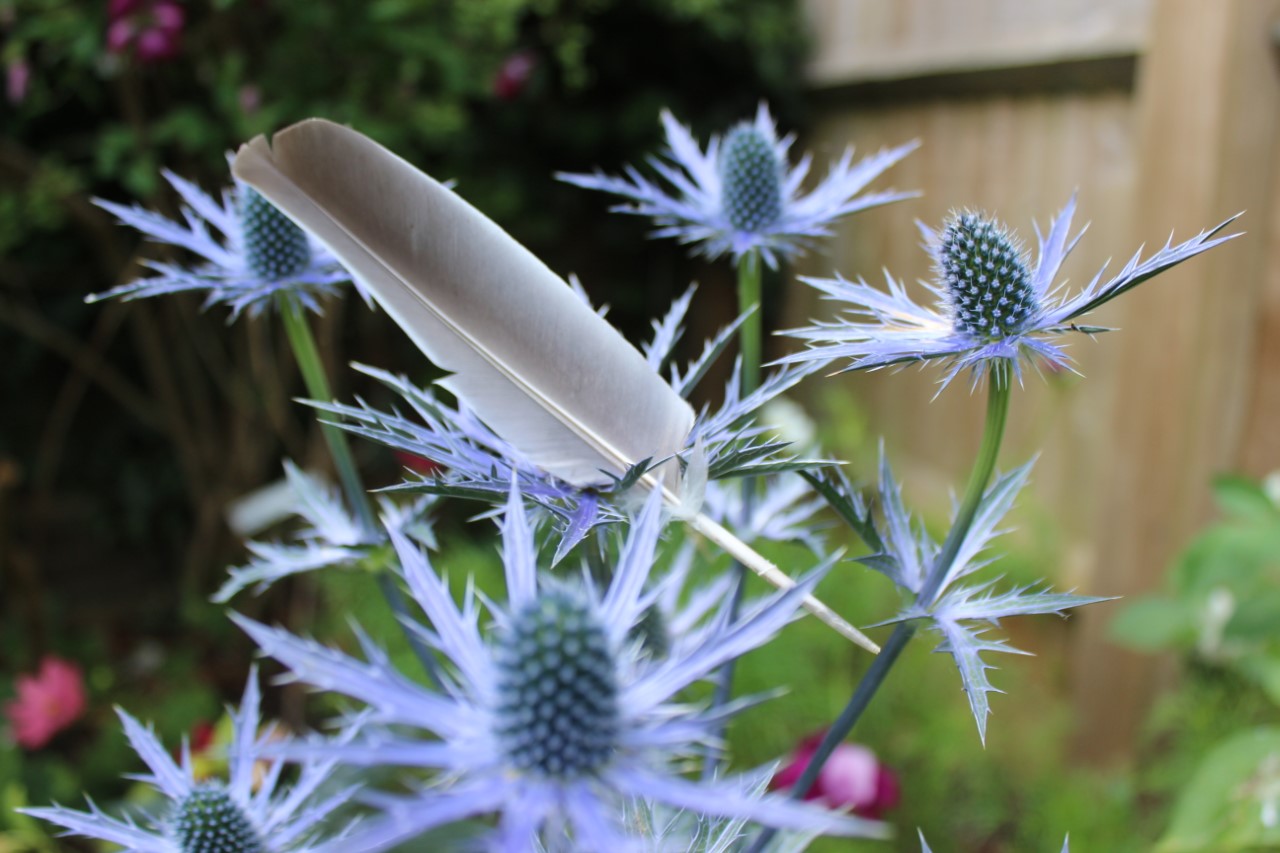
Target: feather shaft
[(535, 363)]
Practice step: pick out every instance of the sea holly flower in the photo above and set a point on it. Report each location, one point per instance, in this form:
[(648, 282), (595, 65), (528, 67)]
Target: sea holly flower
[(961, 613), (47, 702), (251, 252), (992, 305), (740, 195), (554, 719), (331, 536), (249, 812)]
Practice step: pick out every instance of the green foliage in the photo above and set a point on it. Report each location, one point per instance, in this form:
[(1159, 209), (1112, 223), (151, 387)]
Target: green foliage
[(1220, 611), (1222, 602), (1233, 801)]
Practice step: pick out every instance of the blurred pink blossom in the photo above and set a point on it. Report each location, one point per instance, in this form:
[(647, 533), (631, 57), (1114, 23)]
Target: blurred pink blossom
[(47, 702), (514, 74), (853, 778), (151, 29), (17, 77)]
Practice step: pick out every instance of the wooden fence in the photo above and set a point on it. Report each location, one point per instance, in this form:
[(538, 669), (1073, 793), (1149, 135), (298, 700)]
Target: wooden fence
[(1163, 114)]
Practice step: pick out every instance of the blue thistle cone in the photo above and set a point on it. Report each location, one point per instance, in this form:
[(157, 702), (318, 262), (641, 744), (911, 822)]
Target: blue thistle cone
[(274, 247), (750, 179), (208, 821), (557, 715), (986, 275)]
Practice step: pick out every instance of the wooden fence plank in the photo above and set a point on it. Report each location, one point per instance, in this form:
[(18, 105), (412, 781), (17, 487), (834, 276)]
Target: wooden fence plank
[(864, 40), (1207, 105), (1189, 386)]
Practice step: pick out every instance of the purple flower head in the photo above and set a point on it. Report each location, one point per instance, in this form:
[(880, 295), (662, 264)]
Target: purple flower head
[(992, 305), (250, 253), (739, 195), (250, 811), (555, 719)]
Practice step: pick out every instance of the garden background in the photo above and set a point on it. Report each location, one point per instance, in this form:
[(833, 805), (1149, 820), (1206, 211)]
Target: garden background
[(127, 430)]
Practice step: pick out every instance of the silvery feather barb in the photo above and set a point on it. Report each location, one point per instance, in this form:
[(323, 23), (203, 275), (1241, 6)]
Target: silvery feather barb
[(991, 304), (961, 613), (251, 812), (740, 195), (250, 251), (555, 719)]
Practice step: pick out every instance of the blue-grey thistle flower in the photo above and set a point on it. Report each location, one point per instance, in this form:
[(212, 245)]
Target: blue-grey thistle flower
[(992, 305), (208, 821), (739, 195), (250, 812), (274, 247), (251, 252), (750, 179), (554, 720), (985, 273)]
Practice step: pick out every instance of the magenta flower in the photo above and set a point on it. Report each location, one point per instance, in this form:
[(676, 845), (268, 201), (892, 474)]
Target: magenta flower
[(514, 75), (47, 702), (17, 80), (149, 29), (853, 778)]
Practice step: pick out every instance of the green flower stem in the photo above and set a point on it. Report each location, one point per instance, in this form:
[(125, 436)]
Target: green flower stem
[(993, 433), (749, 333), (998, 387), (307, 355)]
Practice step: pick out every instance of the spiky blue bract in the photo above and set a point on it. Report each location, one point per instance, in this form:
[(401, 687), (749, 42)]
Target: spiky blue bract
[(962, 614), (250, 253), (671, 830), (499, 737), (739, 195), (251, 811), (330, 538), (475, 463), (888, 327)]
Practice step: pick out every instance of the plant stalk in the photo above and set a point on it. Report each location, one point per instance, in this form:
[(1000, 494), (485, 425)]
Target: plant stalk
[(311, 366), (749, 347), (998, 389)]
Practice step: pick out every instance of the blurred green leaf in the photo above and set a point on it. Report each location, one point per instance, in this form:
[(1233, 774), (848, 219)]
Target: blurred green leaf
[(1153, 624), (1232, 801)]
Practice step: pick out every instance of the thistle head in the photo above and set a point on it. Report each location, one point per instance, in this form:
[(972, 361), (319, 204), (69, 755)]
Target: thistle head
[(274, 247), (207, 820), (750, 179), (986, 276), (557, 710)]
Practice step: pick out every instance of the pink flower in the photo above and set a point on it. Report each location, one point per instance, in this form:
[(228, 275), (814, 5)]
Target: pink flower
[(151, 29), (47, 702), (420, 464), (17, 79), (852, 778), (514, 74)]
